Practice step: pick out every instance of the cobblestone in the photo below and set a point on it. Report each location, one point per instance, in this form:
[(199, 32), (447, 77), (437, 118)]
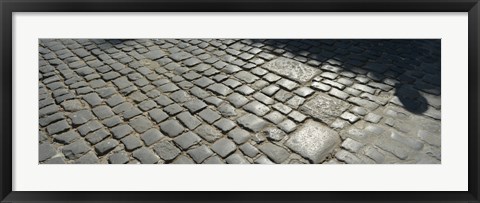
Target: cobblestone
[(234, 101)]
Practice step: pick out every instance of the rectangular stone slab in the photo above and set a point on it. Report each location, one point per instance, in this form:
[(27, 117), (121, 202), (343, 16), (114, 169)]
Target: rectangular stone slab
[(324, 108), (313, 141), (292, 69)]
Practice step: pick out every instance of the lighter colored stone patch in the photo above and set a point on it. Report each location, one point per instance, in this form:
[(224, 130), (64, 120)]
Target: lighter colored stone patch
[(292, 69), (149, 63), (324, 108), (314, 141)]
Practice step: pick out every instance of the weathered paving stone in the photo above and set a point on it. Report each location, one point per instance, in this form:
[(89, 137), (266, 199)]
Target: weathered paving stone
[(182, 159), (245, 90), (208, 133), (274, 152), (263, 98), (89, 127), (209, 115), (349, 117), (237, 100), (112, 121), (123, 107), (130, 113), (304, 91), (93, 99), (131, 142), (372, 117), (352, 145), (55, 160), (171, 128), (140, 124), (115, 100), (102, 112), (145, 156), (200, 93), (246, 76), (313, 141), (252, 122), (393, 147), (203, 82), (224, 147), (239, 136), (224, 124), (220, 89), (186, 140), (81, 117), (169, 87), (173, 109), (200, 153), (88, 158), (272, 133), (76, 149), (121, 131), (180, 96), (348, 157), (97, 136), (147, 105), (374, 154), (275, 117), (180, 56), (283, 95), (429, 138), (195, 105), (295, 101), (51, 118), (66, 137), (105, 146), (324, 108), (249, 150), (256, 108), (118, 158), (270, 90), (236, 159), (227, 110), (73, 105), (410, 142), (287, 125), (287, 84), (321, 86), (166, 150), (270, 77), (188, 120), (263, 160), (339, 124), (213, 160), (282, 108), (157, 115), (45, 151), (259, 84), (292, 69), (58, 127), (337, 93), (297, 116), (151, 136)]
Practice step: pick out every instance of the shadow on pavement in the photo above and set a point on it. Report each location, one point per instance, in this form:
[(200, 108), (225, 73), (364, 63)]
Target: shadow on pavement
[(411, 66)]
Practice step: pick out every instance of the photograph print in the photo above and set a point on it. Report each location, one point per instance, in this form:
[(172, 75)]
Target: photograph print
[(239, 101)]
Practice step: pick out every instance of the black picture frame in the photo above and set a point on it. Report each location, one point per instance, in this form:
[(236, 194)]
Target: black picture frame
[(8, 7)]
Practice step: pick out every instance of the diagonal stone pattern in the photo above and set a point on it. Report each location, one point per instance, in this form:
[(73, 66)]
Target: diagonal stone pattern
[(239, 101)]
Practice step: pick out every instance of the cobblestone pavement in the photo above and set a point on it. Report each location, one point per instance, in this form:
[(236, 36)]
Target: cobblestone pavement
[(239, 101)]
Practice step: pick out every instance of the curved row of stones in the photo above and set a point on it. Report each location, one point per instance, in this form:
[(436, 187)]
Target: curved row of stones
[(238, 101)]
